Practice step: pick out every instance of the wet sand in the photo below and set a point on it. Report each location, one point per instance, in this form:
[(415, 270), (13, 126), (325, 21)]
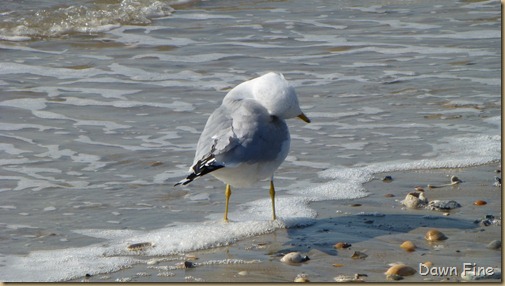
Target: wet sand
[(375, 225)]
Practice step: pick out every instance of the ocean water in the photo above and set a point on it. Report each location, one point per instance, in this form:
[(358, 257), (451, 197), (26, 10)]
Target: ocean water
[(102, 102)]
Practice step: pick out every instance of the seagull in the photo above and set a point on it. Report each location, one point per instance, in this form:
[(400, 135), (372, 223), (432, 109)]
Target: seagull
[(246, 138)]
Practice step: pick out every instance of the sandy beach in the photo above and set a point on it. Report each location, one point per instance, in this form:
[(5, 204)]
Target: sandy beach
[(374, 226)]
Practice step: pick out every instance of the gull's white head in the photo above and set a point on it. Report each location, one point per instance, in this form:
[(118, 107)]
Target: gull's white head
[(275, 93)]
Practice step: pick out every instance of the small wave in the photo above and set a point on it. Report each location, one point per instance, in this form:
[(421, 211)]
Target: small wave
[(76, 19)]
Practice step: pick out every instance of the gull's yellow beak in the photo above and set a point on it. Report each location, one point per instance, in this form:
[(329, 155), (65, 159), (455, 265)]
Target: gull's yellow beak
[(304, 118)]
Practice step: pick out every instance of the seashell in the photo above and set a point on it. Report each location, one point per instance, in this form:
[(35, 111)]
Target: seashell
[(428, 264), (294, 258), (419, 189), (455, 180), (440, 205), (139, 246), (342, 245), (359, 255), (495, 244), (414, 200), (243, 273), (191, 257), (400, 270), (356, 205), (387, 179), (408, 246), (337, 264), (389, 195), (302, 278), (479, 202), (434, 235)]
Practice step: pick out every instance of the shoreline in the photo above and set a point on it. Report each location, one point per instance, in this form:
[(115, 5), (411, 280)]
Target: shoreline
[(375, 226)]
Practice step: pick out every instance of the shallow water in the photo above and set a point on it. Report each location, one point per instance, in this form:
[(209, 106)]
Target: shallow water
[(100, 119)]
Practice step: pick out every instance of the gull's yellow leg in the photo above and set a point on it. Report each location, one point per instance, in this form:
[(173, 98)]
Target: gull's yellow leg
[(227, 193), (272, 196)]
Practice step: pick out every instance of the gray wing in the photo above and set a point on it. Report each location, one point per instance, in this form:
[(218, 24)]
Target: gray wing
[(217, 137), (237, 132)]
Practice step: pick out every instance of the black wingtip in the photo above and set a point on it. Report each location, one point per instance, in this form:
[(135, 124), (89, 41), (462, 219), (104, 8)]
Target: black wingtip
[(187, 180), (202, 167)]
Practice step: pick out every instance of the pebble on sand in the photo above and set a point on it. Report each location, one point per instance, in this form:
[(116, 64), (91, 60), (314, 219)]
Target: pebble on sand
[(408, 246), (479, 203), (342, 245), (443, 205), (294, 258), (433, 235), (400, 270)]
